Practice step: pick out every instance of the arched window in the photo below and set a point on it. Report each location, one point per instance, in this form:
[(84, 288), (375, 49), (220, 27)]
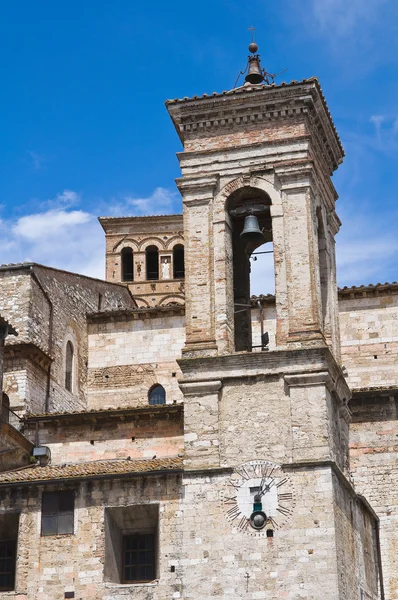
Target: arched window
[(5, 408), (157, 395), (178, 262), (69, 366), (127, 265), (152, 262)]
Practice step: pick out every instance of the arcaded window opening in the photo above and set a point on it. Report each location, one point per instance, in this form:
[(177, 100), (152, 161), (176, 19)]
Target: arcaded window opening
[(127, 264), (323, 267), (5, 408), (152, 263), (69, 359), (157, 395), (178, 262), (249, 210)]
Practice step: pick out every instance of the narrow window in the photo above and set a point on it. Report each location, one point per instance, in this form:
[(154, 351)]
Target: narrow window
[(69, 366), (5, 409), (178, 262), (7, 565), (127, 265), (157, 395), (138, 558), (152, 262), (57, 514)]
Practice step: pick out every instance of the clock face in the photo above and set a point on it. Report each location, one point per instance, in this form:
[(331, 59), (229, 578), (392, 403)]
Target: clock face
[(259, 497)]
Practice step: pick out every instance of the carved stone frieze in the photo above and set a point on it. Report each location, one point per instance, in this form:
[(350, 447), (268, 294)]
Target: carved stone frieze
[(121, 376)]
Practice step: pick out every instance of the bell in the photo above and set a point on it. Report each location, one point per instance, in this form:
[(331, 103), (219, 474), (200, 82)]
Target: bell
[(254, 75), (251, 231)]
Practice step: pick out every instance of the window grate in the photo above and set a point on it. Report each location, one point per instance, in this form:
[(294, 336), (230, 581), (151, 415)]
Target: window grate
[(57, 515), (138, 558), (7, 565)]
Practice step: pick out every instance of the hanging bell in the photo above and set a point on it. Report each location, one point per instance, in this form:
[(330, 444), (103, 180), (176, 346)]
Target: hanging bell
[(254, 75), (251, 231)]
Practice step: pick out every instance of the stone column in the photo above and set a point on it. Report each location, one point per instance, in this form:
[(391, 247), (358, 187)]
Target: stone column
[(201, 424), (199, 267)]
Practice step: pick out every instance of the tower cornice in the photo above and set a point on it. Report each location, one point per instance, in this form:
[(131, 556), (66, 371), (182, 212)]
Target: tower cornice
[(256, 105)]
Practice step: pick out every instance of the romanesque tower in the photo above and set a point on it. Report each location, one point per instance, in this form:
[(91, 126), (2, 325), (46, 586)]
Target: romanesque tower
[(266, 431)]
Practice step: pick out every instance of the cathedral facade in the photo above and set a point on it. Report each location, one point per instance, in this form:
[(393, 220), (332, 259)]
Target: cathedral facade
[(165, 433)]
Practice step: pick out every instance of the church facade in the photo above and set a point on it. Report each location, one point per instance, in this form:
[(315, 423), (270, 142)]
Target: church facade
[(166, 434)]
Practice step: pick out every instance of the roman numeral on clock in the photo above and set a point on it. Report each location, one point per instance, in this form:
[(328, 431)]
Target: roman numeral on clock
[(233, 513), (284, 511), (285, 496), (282, 482)]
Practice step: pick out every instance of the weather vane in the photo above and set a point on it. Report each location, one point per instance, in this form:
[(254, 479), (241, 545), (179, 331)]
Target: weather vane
[(255, 73)]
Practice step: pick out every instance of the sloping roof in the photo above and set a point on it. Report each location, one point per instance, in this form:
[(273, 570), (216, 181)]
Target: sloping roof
[(90, 470), (82, 415)]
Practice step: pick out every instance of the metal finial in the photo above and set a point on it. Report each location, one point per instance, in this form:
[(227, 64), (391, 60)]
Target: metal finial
[(251, 29), (253, 46), (255, 73)]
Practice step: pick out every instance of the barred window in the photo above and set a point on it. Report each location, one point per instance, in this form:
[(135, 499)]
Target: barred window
[(138, 558), (7, 565), (57, 516)]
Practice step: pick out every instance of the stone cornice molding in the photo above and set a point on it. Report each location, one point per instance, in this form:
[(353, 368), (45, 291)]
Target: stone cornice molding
[(255, 105), (200, 388), (301, 363)]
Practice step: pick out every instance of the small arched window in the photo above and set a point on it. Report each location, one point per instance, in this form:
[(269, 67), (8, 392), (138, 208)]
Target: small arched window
[(152, 262), (5, 408), (178, 262), (157, 395), (127, 265), (69, 366)]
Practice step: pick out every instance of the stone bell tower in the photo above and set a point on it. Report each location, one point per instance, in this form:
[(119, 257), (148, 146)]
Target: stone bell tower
[(256, 168), (266, 150)]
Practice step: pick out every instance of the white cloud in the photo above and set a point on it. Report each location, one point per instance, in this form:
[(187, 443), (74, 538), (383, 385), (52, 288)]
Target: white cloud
[(343, 18), (71, 239), (49, 224), (160, 201)]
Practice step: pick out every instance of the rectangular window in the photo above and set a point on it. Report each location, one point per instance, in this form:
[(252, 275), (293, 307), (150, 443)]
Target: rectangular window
[(7, 565), (57, 516), (138, 558)]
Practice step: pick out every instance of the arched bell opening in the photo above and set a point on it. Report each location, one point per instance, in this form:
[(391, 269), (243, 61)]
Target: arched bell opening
[(249, 210), (323, 267)]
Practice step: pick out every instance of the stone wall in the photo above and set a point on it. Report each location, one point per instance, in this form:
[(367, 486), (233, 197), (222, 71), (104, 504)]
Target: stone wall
[(201, 552), (130, 353), (49, 307), (101, 437), (374, 465), (369, 336)]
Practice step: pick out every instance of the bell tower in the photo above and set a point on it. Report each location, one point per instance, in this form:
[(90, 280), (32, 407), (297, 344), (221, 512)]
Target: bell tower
[(266, 433), (265, 152)]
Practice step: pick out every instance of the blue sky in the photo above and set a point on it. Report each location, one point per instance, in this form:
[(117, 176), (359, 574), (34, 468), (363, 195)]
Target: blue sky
[(85, 132)]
